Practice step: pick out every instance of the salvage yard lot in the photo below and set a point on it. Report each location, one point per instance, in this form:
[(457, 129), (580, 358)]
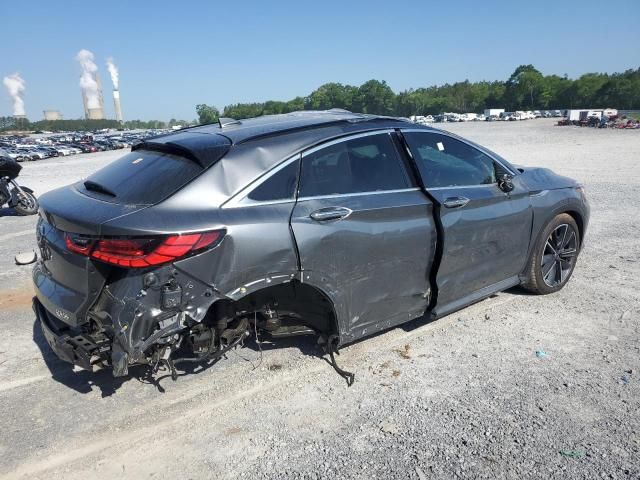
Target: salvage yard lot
[(465, 395)]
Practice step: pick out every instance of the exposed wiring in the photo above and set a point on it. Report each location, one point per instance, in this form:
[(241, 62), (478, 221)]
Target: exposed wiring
[(255, 331)]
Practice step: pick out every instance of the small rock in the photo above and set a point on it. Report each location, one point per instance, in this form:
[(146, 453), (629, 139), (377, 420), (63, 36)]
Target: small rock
[(387, 426)]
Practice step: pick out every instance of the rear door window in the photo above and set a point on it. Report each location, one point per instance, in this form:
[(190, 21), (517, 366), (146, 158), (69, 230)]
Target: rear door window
[(444, 161), (365, 164), (279, 186), (141, 178)]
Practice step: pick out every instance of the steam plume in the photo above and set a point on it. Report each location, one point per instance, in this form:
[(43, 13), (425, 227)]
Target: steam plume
[(15, 86), (88, 79), (113, 71)]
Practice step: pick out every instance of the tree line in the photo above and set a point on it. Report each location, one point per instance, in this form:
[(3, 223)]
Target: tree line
[(526, 89)]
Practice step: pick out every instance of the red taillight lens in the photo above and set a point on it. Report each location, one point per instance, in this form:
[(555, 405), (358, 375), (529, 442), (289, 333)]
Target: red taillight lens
[(142, 252), (78, 244)]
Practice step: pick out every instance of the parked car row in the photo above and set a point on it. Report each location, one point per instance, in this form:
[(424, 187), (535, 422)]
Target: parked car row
[(39, 147), (489, 116)]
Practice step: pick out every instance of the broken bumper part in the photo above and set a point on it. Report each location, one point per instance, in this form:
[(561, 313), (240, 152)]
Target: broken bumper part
[(70, 346)]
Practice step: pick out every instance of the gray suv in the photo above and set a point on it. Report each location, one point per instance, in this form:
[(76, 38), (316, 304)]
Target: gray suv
[(332, 224)]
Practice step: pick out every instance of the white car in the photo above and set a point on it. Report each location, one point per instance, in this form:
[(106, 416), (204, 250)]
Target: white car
[(30, 153), (64, 151)]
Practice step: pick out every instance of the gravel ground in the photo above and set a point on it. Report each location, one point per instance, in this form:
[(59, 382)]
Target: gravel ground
[(465, 396)]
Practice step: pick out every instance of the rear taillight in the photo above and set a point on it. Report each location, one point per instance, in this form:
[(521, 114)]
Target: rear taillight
[(140, 252)]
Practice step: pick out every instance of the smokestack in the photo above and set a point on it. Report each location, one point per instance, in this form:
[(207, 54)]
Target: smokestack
[(115, 77), (90, 85), (15, 86), (116, 105)]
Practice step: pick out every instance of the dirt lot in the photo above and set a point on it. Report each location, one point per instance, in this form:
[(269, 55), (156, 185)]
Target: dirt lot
[(465, 396)]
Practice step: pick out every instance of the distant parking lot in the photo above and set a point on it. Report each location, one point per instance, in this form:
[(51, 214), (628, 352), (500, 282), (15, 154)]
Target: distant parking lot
[(41, 146)]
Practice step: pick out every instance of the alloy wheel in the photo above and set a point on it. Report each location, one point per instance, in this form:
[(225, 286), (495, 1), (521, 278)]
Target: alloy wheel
[(559, 255)]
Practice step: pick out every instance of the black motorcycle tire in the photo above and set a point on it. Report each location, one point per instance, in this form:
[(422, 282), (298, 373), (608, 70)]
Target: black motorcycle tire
[(27, 204)]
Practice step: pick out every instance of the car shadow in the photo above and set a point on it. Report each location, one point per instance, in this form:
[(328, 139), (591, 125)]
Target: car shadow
[(83, 381), (8, 212), (518, 290)]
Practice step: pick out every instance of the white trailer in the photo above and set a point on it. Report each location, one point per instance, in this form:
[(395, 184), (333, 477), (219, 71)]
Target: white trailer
[(575, 114), (488, 112)]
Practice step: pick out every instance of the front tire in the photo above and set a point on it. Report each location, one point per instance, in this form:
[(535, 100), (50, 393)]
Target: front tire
[(27, 204), (554, 256)]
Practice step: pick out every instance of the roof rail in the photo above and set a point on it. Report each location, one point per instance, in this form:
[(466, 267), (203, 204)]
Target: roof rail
[(224, 121)]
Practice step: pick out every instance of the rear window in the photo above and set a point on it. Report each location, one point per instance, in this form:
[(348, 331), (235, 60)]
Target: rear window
[(141, 178)]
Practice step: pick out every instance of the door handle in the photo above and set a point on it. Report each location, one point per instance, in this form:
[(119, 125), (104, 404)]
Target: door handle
[(455, 202), (330, 213)]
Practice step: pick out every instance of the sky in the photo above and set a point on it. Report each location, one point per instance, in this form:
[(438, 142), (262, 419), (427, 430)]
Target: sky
[(174, 55)]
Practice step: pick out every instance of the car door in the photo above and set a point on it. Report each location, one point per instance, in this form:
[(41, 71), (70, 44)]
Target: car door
[(486, 232), (364, 231)]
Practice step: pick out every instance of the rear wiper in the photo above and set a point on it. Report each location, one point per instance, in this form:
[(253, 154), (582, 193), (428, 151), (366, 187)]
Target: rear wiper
[(96, 187)]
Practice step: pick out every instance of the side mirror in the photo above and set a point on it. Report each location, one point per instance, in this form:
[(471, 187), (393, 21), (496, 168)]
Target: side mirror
[(505, 183)]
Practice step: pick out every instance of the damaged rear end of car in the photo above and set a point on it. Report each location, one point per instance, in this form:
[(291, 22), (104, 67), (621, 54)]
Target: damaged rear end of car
[(112, 291)]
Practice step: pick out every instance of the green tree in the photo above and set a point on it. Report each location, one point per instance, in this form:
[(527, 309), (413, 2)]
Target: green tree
[(523, 87), (331, 95), (207, 113), (375, 97)]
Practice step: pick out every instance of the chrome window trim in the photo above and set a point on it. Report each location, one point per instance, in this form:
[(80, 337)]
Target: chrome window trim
[(359, 194), (240, 199), (480, 185), (336, 141), (446, 134)]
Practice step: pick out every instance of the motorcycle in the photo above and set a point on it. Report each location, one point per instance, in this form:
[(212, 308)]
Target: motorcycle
[(19, 198)]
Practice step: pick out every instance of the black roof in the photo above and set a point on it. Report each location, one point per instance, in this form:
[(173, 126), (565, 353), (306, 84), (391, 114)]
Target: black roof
[(244, 130), (206, 143)]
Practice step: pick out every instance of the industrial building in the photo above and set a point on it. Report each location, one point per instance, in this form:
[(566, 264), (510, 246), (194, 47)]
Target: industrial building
[(52, 115)]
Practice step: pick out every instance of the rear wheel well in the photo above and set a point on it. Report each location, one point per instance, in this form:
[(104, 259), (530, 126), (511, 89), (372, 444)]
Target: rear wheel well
[(307, 303)]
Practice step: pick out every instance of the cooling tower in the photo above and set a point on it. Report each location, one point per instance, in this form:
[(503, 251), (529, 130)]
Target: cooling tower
[(95, 114)]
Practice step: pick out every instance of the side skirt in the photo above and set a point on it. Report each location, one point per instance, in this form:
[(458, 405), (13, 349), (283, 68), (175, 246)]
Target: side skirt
[(441, 311)]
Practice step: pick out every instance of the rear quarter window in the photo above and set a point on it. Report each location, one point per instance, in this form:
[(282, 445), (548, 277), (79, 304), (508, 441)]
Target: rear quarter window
[(141, 178)]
